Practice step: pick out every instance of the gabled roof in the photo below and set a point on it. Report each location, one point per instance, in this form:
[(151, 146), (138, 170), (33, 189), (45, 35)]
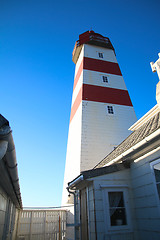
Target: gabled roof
[(134, 138)]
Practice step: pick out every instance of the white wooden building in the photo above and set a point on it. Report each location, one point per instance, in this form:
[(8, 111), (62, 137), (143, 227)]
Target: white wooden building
[(119, 199)]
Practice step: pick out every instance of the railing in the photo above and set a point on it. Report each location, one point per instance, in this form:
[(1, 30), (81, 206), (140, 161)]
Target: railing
[(41, 225), (93, 37)]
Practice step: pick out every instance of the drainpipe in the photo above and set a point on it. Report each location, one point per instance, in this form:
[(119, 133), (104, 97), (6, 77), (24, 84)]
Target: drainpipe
[(75, 224), (72, 185)]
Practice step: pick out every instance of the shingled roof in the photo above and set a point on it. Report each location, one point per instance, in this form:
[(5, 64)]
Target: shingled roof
[(135, 137)]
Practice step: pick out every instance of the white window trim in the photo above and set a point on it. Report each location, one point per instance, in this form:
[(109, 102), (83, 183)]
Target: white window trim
[(107, 79), (105, 191), (109, 114), (154, 180), (99, 56)]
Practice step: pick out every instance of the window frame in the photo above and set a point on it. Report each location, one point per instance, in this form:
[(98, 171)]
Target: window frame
[(105, 82), (152, 164), (106, 206), (100, 54), (107, 108)]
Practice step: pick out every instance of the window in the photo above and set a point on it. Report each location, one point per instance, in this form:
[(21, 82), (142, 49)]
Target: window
[(100, 55), (116, 207), (105, 79), (110, 110), (117, 210), (156, 168)]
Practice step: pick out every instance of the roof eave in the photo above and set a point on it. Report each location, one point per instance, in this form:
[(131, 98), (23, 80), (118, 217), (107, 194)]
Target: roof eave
[(146, 145)]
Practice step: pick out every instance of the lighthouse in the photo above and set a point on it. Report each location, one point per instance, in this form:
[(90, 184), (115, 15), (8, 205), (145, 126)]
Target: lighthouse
[(101, 110)]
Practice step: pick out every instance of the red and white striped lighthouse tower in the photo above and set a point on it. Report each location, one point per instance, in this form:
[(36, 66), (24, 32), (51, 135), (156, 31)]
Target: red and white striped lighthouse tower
[(101, 111)]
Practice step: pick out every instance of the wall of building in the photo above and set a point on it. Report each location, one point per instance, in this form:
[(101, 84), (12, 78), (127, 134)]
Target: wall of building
[(93, 133), (77, 216), (102, 132), (91, 212), (115, 181), (91, 51), (95, 78), (97, 207), (72, 168), (147, 204), (8, 217), (86, 198), (73, 157), (141, 199)]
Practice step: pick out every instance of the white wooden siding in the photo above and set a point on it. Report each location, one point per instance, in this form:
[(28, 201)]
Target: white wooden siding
[(120, 179), (91, 203), (147, 206), (92, 52), (8, 217)]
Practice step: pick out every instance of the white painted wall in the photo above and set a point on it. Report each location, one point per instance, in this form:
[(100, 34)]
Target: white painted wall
[(102, 132), (95, 78), (79, 60), (8, 217), (147, 204), (72, 168), (97, 208), (141, 202), (93, 133), (91, 51), (77, 89)]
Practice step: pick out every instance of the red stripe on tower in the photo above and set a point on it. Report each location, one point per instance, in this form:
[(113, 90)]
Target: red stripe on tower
[(76, 104), (78, 75), (97, 65), (101, 66), (106, 95), (101, 94)]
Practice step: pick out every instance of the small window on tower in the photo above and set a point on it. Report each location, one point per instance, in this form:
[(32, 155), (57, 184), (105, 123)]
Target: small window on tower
[(105, 79), (100, 55), (110, 110)]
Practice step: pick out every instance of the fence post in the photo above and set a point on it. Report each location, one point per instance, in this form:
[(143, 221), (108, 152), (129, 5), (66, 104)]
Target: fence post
[(30, 235), (45, 222), (59, 227)]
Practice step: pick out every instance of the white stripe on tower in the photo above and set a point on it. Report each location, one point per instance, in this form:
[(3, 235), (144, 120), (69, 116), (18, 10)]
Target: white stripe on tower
[(101, 111)]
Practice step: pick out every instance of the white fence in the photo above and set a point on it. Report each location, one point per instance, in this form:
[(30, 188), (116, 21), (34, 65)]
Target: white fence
[(41, 225)]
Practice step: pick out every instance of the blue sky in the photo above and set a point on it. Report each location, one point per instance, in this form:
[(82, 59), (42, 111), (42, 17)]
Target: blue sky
[(37, 73)]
